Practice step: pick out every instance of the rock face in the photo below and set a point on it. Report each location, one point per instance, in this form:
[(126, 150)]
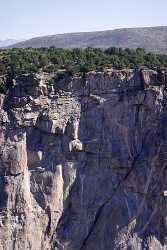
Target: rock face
[(83, 162)]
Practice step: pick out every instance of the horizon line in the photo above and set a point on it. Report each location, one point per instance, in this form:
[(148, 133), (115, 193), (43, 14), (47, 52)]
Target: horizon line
[(79, 32)]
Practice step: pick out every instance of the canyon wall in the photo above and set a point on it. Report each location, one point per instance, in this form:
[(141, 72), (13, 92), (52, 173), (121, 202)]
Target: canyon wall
[(83, 161)]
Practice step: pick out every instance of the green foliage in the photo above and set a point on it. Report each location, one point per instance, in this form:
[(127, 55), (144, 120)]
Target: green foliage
[(19, 61)]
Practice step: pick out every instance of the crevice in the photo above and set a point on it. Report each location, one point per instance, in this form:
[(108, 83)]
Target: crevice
[(48, 228), (100, 209)]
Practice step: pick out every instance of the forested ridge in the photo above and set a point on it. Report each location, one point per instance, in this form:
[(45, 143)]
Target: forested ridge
[(20, 61)]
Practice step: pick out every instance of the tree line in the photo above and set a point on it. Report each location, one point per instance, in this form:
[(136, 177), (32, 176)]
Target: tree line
[(32, 60)]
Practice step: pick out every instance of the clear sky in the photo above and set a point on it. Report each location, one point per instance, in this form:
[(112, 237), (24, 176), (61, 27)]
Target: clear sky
[(22, 19)]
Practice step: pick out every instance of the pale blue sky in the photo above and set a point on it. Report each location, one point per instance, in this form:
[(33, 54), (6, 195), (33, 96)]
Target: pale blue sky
[(28, 18)]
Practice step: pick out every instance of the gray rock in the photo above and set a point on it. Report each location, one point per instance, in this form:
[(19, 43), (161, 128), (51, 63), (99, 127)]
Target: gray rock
[(83, 162)]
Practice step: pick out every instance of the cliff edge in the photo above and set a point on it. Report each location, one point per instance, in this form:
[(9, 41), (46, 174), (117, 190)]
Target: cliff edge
[(83, 161)]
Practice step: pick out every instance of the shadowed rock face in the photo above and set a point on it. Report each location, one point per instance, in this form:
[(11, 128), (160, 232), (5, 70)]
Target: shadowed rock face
[(83, 162)]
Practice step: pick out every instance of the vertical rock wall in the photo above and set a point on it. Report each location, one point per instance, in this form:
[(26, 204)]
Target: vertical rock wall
[(83, 162)]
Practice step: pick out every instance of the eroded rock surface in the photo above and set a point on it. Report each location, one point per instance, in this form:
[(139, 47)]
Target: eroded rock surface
[(83, 162)]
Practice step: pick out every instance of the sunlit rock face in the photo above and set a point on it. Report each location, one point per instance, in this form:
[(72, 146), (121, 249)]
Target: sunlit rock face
[(83, 162)]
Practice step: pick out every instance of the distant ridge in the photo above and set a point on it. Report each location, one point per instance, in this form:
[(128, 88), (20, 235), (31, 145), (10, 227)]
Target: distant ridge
[(8, 42), (153, 39)]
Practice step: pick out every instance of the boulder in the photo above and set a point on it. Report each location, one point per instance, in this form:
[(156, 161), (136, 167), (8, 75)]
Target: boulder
[(76, 146)]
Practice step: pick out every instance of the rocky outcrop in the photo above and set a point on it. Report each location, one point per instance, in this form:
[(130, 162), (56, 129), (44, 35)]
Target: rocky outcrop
[(83, 162)]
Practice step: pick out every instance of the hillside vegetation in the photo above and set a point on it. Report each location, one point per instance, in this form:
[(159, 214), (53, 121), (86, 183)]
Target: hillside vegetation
[(21, 61), (152, 39)]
